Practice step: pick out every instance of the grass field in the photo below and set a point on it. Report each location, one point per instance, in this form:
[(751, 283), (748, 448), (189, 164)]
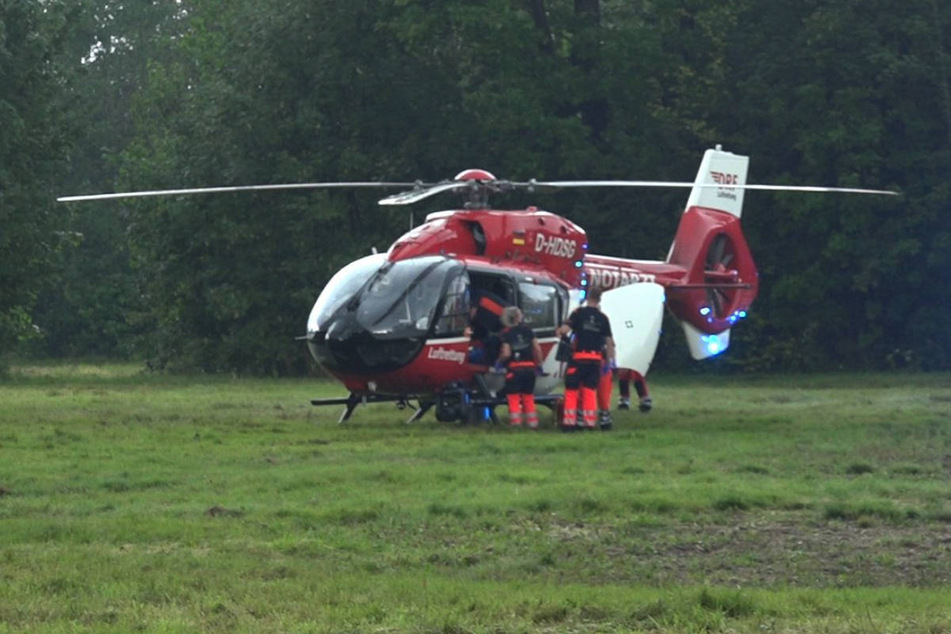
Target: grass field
[(133, 502)]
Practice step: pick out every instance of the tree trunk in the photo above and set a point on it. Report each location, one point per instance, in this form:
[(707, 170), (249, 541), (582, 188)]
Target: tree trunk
[(941, 66), (588, 9), (586, 55), (540, 15)]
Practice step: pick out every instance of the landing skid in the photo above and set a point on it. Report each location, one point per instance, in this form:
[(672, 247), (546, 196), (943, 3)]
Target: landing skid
[(424, 406), (450, 405), (351, 402)]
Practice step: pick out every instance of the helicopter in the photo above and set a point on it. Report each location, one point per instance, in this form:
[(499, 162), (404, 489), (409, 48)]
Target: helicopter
[(394, 326)]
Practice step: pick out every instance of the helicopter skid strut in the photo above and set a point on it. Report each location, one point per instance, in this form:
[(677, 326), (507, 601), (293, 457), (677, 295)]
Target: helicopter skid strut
[(460, 404), (355, 399)]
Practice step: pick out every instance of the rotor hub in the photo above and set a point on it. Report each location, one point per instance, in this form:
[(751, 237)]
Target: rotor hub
[(475, 175)]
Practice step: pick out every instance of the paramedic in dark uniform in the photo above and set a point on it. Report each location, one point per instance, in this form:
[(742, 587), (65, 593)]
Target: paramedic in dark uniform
[(593, 347), (485, 325), (521, 355)]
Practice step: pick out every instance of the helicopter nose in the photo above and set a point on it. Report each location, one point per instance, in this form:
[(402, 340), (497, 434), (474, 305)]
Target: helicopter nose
[(344, 330), (337, 346), (347, 347)]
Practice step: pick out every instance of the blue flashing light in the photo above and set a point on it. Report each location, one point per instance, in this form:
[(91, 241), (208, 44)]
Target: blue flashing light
[(584, 294), (584, 246), (705, 311), (584, 282), (712, 343), (578, 264), (741, 314)]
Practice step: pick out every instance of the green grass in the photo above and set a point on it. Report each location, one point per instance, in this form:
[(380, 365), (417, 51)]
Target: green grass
[(134, 502)]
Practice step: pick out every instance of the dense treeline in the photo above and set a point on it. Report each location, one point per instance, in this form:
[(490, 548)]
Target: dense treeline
[(31, 140), (227, 92)]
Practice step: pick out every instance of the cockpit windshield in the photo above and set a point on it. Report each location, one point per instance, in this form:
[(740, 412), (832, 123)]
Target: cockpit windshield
[(387, 299), (402, 298), (342, 287)]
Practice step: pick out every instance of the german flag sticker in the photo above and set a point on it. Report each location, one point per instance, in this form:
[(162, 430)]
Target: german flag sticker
[(518, 241)]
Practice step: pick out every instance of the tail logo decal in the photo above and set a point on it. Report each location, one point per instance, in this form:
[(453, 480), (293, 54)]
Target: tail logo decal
[(607, 279), (722, 178), (725, 182)]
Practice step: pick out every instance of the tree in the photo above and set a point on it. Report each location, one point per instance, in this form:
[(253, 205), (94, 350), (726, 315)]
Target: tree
[(230, 278), (854, 95), (31, 140), (90, 303)]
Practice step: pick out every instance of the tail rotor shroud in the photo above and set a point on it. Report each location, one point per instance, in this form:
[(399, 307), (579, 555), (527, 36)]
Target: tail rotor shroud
[(718, 275)]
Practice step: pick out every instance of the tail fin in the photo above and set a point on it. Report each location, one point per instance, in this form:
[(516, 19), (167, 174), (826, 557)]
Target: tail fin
[(721, 169), (721, 281)]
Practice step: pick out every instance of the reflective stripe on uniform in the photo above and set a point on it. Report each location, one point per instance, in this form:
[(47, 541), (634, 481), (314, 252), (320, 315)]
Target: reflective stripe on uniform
[(491, 305), (587, 355)]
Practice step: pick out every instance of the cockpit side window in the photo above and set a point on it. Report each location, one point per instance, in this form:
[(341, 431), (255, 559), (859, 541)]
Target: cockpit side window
[(494, 284), (454, 316), (540, 306)]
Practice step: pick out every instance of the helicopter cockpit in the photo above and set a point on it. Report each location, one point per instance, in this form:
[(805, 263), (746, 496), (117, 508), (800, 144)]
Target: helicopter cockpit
[(376, 314)]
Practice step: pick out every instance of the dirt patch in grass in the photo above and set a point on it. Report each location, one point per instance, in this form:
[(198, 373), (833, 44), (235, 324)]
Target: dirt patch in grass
[(220, 511), (838, 554), (766, 552)]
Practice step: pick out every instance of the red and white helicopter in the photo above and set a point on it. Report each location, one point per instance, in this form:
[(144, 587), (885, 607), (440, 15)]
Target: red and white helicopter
[(391, 326)]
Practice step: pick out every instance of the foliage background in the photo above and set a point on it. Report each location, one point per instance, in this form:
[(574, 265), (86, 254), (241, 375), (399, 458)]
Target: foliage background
[(98, 95)]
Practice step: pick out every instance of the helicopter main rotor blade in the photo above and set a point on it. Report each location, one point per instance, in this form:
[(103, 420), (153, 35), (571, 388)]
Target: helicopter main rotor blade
[(421, 191), (810, 188), (415, 195), (532, 184), (220, 190), (784, 188)]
